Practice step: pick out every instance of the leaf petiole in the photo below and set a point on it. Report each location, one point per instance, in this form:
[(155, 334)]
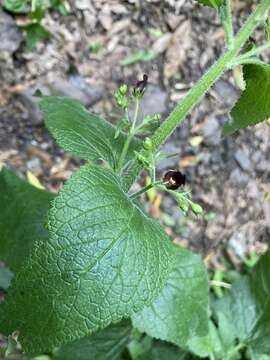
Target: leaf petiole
[(131, 133), (250, 56)]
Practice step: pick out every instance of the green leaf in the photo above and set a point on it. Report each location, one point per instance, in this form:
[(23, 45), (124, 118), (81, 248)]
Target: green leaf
[(107, 344), (247, 306), (161, 350), (104, 260), (141, 55), (212, 3), (121, 125), (83, 133), (35, 32), (253, 356), (181, 310), (23, 211), (16, 6), (253, 106), (204, 346), (226, 332)]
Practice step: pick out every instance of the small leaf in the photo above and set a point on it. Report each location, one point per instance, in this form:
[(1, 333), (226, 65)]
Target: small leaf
[(181, 310), (121, 125), (141, 55), (23, 210), (267, 28), (107, 344), (35, 32), (247, 306), (83, 133), (33, 180), (16, 6), (253, 106), (104, 260)]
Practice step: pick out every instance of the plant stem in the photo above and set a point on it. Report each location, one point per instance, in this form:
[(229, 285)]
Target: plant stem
[(144, 189), (208, 79), (254, 61), (249, 57), (225, 13), (235, 351), (220, 283), (202, 86), (129, 137)]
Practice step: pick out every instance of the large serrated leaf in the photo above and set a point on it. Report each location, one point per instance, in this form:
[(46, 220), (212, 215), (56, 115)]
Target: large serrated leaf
[(181, 310), (104, 260), (23, 210), (253, 106), (247, 306), (107, 344), (83, 133)]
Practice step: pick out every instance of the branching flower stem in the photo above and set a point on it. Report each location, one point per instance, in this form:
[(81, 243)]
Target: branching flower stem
[(144, 189), (130, 135), (202, 86)]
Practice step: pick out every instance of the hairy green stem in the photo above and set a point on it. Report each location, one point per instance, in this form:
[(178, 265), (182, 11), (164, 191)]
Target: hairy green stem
[(129, 136), (249, 57), (254, 61), (144, 189), (225, 13), (208, 79), (202, 86)]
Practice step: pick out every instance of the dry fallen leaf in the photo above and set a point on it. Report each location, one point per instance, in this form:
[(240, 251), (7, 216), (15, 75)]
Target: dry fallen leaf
[(161, 44), (187, 161), (176, 52)]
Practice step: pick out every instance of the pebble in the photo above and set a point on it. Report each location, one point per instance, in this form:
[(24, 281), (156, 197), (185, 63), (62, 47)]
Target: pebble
[(34, 165), (226, 91), (170, 163), (237, 243), (243, 160), (10, 35), (239, 178), (79, 89), (256, 156), (211, 131), (154, 100)]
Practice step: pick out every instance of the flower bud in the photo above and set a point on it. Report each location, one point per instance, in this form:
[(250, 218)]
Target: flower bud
[(147, 144), (140, 87), (123, 89), (196, 208)]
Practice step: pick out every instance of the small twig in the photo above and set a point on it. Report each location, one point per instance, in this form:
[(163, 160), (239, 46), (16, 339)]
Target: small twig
[(220, 284)]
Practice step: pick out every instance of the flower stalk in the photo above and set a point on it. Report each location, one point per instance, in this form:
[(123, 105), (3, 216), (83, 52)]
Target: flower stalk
[(198, 91)]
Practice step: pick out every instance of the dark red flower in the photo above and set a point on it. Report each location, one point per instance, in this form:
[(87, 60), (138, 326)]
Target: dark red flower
[(141, 85), (173, 179)]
